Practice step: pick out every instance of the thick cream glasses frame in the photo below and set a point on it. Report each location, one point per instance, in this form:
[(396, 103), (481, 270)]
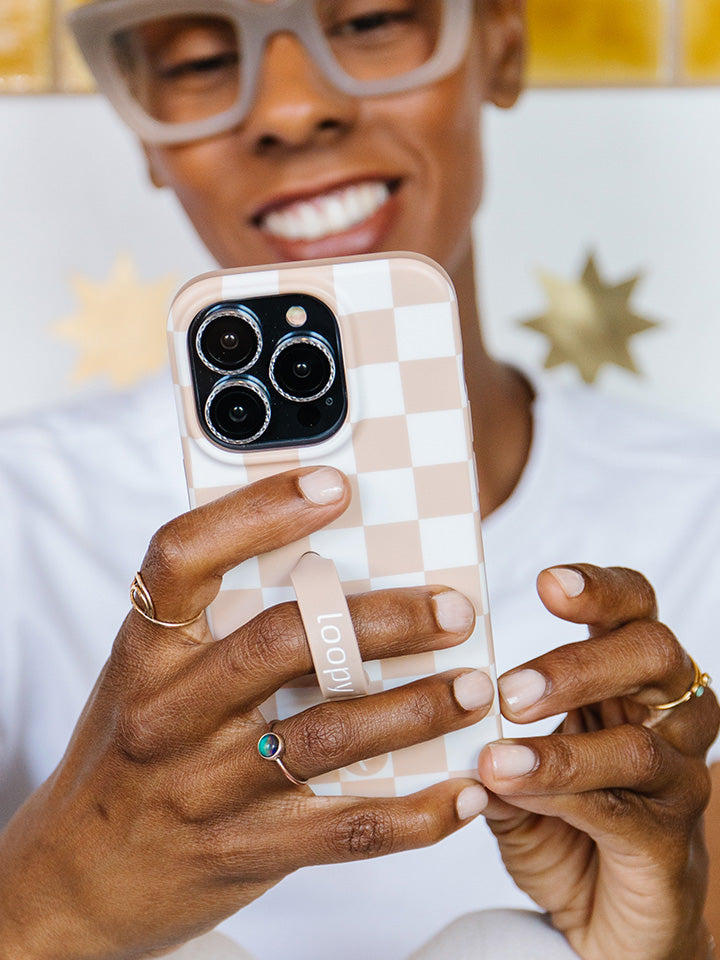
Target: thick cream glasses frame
[(96, 25)]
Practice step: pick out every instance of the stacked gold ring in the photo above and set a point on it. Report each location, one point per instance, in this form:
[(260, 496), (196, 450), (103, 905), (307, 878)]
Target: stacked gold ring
[(142, 602)]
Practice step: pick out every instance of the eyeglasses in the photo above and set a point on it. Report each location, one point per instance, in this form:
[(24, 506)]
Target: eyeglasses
[(181, 70)]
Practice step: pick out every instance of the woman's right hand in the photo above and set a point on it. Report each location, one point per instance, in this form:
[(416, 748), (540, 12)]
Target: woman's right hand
[(162, 819)]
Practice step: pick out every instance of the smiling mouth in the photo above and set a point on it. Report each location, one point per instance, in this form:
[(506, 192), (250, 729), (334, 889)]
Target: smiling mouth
[(327, 215)]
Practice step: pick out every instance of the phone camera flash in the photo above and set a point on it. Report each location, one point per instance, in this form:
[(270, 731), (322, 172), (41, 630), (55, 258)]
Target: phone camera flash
[(296, 316)]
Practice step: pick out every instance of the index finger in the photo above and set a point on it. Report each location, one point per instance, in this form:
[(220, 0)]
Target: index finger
[(602, 597), (629, 655), (188, 557)]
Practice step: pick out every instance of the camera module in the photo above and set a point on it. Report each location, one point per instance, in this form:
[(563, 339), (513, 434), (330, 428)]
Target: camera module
[(229, 341), (302, 368), (267, 371), (238, 411)]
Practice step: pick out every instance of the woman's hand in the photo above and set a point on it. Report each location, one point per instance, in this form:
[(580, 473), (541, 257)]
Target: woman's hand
[(162, 818), (601, 823)]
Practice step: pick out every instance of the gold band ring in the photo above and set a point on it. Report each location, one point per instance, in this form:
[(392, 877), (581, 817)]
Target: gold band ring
[(696, 689), (271, 746), (142, 602)]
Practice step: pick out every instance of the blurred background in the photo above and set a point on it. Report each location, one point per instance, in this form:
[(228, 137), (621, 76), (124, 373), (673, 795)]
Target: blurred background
[(601, 225)]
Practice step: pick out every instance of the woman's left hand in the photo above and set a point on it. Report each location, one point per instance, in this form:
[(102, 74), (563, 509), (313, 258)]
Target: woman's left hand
[(601, 823)]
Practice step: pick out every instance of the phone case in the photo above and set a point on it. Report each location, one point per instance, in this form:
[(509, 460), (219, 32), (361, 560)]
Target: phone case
[(406, 446)]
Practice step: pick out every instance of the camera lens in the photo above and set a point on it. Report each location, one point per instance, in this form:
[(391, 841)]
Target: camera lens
[(238, 411), (229, 340), (302, 368)]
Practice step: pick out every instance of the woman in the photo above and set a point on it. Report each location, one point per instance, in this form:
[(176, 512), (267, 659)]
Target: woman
[(161, 820)]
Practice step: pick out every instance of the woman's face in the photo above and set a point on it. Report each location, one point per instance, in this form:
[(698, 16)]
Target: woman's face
[(313, 172)]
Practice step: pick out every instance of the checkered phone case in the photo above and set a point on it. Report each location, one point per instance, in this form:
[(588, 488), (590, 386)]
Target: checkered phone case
[(406, 447)]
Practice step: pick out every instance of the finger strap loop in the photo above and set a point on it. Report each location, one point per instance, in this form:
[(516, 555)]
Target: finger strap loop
[(329, 629), (696, 689)]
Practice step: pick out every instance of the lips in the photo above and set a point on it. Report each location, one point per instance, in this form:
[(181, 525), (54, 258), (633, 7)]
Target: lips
[(340, 212)]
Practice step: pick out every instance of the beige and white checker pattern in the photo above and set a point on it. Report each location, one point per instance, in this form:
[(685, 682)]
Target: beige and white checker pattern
[(407, 449)]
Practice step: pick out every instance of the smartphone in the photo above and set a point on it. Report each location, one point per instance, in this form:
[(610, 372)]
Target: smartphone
[(357, 364)]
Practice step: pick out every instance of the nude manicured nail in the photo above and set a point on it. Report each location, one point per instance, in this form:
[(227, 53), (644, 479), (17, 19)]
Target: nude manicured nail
[(572, 582), (511, 760), (454, 612), (470, 802), (322, 487), (522, 689), (473, 690)]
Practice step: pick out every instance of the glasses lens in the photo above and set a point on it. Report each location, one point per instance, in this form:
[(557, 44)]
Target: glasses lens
[(180, 68), (379, 39)]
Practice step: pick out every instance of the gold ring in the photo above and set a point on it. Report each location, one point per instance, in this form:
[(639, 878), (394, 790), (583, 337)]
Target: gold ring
[(142, 602), (271, 746), (696, 689)]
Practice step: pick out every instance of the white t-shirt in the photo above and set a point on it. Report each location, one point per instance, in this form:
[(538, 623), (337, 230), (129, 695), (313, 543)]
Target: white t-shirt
[(83, 489)]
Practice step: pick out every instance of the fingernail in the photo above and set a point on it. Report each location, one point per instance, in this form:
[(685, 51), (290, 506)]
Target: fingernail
[(470, 802), (522, 689), (454, 612), (511, 760), (473, 690), (572, 582), (322, 487)]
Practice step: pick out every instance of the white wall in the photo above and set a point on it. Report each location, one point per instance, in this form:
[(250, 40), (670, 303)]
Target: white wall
[(631, 175)]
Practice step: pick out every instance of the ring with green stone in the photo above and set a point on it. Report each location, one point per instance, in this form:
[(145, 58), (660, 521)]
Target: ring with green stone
[(696, 689), (271, 746)]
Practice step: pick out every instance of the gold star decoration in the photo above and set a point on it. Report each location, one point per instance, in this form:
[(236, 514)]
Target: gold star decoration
[(120, 326), (589, 322)]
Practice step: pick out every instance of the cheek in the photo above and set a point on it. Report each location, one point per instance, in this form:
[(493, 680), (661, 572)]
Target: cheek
[(191, 173), (195, 174), (458, 148), (455, 131), (448, 143)]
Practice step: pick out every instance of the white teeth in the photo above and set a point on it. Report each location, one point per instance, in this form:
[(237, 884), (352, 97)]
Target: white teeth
[(339, 214), (309, 219), (332, 213)]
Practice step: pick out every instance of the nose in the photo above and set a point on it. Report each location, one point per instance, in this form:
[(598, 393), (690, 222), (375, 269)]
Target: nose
[(295, 105)]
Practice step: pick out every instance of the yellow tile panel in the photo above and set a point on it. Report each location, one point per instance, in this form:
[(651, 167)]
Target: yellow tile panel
[(701, 39), (72, 74), (26, 46), (572, 43), (597, 41)]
